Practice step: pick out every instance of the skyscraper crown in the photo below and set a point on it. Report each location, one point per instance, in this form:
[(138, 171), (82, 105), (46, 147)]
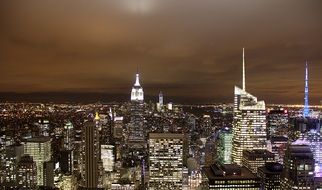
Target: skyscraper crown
[(137, 93)]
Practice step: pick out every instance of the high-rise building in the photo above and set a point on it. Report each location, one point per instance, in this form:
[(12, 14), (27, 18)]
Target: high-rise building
[(206, 126), (249, 122), (298, 168), (137, 135), (49, 168), (318, 182), (27, 173), (107, 157), (161, 99), (253, 159), (277, 122), (68, 134), (314, 139), (270, 176), (137, 93), (13, 155), (40, 150), (67, 155), (2, 155), (230, 176), (224, 148), (77, 153), (306, 110), (307, 131), (106, 128), (91, 155), (68, 182), (278, 147), (43, 125), (165, 161), (160, 103), (118, 128), (211, 151), (66, 162)]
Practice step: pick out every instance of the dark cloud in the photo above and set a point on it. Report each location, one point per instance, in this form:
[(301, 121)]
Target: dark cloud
[(191, 50)]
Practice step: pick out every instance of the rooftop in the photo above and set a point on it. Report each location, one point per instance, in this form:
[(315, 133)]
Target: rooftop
[(271, 168), (258, 153), (300, 152), (228, 172), (38, 139), (279, 139), (166, 136)]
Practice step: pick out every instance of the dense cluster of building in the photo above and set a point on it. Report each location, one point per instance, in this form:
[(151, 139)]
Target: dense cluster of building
[(139, 145)]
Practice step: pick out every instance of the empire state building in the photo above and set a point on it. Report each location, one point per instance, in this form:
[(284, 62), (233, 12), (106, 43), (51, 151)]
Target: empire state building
[(137, 135), (137, 93)]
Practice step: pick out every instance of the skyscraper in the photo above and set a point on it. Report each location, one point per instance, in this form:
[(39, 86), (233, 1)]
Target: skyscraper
[(137, 93), (118, 128), (91, 155), (68, 136), (161, 99), (298, 168), (137, 136), (40, 150), (270, 175), (253, 159), (249, 131), (160, 103), (306, 110), (67, 155), (107, 157), (2, 155), (13, 155), (165, 160), (313, 139), (26, 173), (224, 146), (230, 176), (277, 122)]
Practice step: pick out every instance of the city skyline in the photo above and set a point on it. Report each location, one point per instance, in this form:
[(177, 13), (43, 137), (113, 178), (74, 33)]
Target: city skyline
[(161, 95), (89, 52)]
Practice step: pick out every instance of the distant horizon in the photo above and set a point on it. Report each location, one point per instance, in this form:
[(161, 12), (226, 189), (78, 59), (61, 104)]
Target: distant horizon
[(94, 97)]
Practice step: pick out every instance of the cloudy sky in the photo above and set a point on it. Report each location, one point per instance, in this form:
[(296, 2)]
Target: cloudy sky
[(189, 49)]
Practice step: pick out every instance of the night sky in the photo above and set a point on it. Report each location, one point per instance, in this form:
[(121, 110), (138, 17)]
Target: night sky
[(191, 50)]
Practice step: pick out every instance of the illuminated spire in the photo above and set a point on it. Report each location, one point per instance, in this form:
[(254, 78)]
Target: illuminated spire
[(306, 92), (97, 117), (244, 83), (137, 93), (137, 79)]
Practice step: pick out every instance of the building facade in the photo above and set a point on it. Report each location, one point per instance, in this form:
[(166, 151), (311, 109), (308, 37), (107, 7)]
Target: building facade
[(27, 173), (253, 159), (40, 150), (249, 122), (298, 168), (91, 155), (230, 176), (137, 134), (224, 148), (165, 161), (13, 156), (270, 176)]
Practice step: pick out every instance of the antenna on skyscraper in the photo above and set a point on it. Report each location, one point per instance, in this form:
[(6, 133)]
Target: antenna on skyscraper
[(306, 92), (244, 83)]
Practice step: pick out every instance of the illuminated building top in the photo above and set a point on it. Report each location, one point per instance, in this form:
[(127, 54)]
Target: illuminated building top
[(97, 117), (137, 93), (306, 94)]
